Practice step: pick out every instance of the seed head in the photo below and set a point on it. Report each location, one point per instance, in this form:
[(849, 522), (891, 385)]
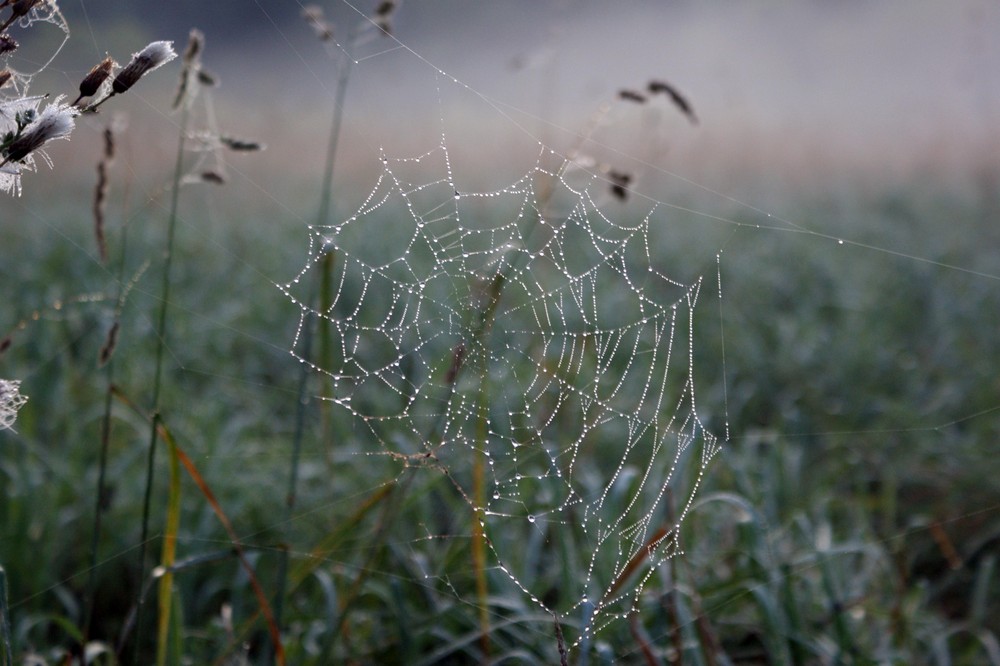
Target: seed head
[(631, 96), (619, 183), (679, 100), (196, 42), (206, 79), (211, 176), (22, 7), (56, 121), (189, 72), (7, 44), (92, 83), (240, 145), (143, 62), (110, 342)]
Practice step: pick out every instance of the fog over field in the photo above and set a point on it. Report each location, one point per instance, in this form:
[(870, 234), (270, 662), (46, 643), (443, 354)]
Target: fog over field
[(897, 84), (896, 87)]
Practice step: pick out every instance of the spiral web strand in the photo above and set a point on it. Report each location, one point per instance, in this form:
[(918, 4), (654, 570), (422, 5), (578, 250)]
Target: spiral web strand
[(526, 326)]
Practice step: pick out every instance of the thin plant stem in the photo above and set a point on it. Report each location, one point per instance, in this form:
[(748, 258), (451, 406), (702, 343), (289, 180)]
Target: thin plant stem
[(301, 403), (323, 217), (6, 649), (322, 285), (105, 440), (161, 330)]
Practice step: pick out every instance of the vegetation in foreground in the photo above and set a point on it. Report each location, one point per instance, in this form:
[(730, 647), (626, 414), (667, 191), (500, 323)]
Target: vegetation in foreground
[(850, 518)]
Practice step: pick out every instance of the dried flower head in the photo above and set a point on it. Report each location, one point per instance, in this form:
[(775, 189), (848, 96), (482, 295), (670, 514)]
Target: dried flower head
[(19, 9), (56, 121), (24, 132), (22, 7), (96, 79), (7, 44), (11, 401), (145, 61)]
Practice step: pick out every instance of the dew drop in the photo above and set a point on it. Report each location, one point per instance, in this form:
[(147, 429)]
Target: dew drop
[(531, 519)]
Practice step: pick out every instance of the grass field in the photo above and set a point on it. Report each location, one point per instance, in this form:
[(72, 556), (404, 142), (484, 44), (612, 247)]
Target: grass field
[(850, 353)]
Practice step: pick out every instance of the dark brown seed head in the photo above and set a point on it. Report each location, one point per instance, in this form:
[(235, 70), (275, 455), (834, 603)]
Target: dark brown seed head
[(206, 79), (108, 348), (619, 182), (240, 145), (213, 177), (631, 96), (5, 76), (676, 97), (7, 44), (143, 62), (196, 41), (91, 83), (22, 7)]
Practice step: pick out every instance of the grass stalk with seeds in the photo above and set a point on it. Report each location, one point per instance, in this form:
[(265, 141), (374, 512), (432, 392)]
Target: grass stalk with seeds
[(161, 343), (106, 359)]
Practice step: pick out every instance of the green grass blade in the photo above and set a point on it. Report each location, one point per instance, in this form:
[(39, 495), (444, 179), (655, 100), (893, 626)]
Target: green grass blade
[(169, 556)]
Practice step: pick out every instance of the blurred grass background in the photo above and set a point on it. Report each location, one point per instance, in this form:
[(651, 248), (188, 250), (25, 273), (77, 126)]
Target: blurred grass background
[(852, 517)]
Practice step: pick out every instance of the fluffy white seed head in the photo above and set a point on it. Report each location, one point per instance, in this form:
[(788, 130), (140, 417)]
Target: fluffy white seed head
[(56, 121), (142, 63)]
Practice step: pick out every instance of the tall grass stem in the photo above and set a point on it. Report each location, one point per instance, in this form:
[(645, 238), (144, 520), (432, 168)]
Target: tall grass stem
[(161, 331), (322, 286), (99, 500), (5, 637)]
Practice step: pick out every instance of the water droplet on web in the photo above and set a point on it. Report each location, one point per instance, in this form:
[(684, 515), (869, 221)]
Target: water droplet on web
[(531, 519)]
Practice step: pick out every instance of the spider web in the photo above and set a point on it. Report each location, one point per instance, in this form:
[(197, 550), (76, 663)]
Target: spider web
[(527, 329)]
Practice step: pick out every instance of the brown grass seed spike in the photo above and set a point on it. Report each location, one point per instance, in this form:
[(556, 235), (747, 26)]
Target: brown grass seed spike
[(631, 96), (676, 97)]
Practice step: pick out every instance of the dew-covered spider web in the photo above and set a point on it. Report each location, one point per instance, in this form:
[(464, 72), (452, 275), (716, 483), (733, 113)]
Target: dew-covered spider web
[(524, 342)]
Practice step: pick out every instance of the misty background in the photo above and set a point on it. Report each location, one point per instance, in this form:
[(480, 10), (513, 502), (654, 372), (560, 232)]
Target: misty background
[(789, 95)]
